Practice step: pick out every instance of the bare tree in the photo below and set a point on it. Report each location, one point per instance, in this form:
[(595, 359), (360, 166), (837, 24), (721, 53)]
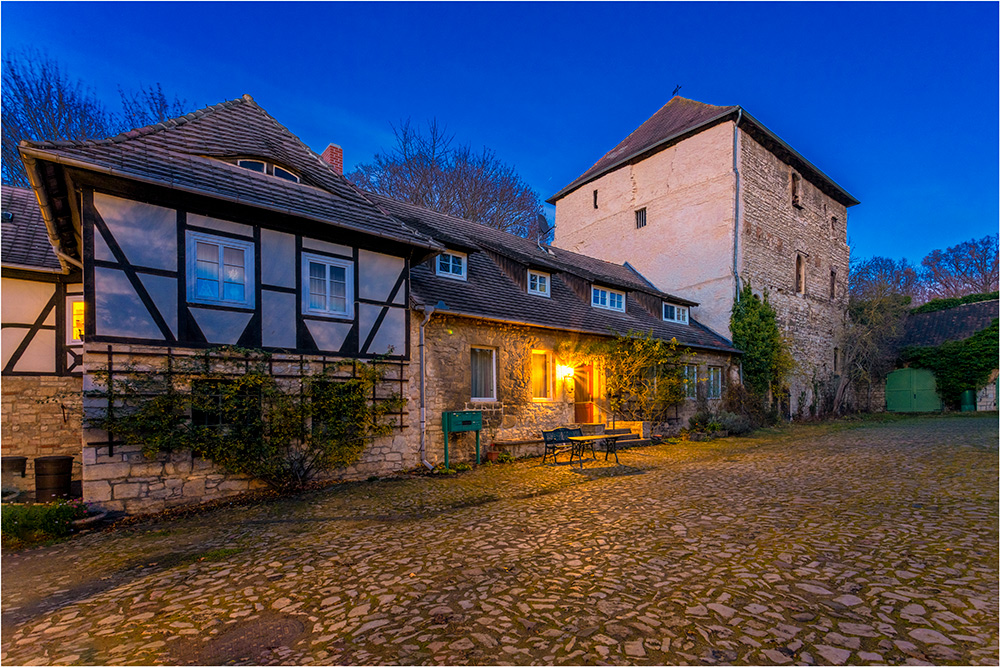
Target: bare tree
[(881, 290), (40, 101), (967, 268), (425, 169), (147, 106), (875, 277)]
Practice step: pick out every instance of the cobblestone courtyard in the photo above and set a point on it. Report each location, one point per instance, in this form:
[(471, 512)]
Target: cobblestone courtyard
[(818, 545)]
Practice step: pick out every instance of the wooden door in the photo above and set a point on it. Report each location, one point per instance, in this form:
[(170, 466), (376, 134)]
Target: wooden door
[(583, 394)]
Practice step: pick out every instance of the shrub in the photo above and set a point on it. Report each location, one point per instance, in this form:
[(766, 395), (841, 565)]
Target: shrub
[(734, 423), (505, 457), (39, 522), (700, 420)]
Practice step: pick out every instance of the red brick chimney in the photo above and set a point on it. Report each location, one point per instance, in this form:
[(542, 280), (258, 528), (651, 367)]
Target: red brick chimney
[(334, 156)]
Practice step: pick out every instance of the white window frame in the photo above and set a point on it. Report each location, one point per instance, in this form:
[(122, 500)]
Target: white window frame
[(70, 300), (493, 357), (680, 313), (326, 260), (548, 283), (249, 286), (448, 274), (294, 177), (691, 382), (710, 392), (550, 387), (596, 302), (239, 163)]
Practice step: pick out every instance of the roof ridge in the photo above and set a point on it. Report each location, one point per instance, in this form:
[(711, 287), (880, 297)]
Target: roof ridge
[(142, 131)]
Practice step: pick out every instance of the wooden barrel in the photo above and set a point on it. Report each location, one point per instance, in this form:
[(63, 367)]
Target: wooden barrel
[(53, 477)]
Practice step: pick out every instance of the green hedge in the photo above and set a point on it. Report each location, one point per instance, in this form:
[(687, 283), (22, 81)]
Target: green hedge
[(944, 304), (959, 365)]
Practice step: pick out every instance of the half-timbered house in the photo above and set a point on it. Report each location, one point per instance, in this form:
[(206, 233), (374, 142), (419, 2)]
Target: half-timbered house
[(220, 228), (42, 325)]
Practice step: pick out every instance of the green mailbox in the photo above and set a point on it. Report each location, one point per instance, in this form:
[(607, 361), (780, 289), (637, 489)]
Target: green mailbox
[(461, 420)]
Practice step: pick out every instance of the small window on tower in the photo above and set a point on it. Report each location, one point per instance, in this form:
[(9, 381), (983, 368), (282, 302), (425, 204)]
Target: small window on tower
[(796, 191), (595, 198), (800, 274), (833, 225), (833, 284), (640, 218)]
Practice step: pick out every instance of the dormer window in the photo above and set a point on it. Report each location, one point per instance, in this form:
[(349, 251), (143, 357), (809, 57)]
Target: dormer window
[(538, 283), (271, 169), (608, 299), (285, 174), (673, 313), (253, 165), (452, 265)]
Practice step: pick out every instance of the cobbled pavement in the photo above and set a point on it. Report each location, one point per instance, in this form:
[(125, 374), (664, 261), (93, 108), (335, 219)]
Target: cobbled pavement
[(826, 544)]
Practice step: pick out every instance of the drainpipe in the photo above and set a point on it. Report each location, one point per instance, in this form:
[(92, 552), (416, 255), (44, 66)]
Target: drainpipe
[(736, 203), (736, 214), (428, 311)]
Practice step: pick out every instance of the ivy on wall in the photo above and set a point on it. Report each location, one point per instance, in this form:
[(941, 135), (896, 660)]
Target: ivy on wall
[(766, 358), (944, 304), (228, 406), (959, 365)]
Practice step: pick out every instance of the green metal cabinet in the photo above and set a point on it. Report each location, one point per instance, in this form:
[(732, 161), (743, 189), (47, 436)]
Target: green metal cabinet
[(461, 420), (912, 390)]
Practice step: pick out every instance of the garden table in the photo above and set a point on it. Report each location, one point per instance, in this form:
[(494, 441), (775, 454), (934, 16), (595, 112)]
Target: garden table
[(581, 441)]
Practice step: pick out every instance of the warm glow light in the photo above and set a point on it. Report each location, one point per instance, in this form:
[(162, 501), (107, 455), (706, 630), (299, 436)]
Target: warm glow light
[(77, 316), (564, 371)]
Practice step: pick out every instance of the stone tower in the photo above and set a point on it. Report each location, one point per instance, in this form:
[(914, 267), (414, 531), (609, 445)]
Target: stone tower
[(702, 198)]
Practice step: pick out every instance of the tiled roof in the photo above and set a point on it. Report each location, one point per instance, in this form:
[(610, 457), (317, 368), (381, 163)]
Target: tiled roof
[(183, 153), (681, 116), (460, 234), (941, 326), (25, 240), (490, 293)]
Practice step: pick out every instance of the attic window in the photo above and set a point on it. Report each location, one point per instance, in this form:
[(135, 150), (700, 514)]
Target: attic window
[(538, 283), (640, 218), (607, 299), (452, 265), (285, 174), (269, 168), (672, 313)]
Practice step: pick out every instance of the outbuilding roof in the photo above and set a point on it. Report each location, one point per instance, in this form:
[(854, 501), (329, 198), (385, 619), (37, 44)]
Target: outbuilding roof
[(188, 153), (943, 326), (491, 292), (25, 240), (680, 118)]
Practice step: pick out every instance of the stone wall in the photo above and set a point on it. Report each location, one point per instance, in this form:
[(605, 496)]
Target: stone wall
[(126, 481), (41, 416), (516, 415), (774, 232)]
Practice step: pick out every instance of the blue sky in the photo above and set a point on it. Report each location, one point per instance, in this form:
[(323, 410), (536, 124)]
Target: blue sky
[(897, 102)]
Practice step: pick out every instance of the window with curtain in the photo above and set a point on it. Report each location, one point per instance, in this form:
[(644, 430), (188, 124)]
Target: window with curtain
[(690, 381), (714, 382), (484, 387), (541, 375), (220, 270), (328, 286)]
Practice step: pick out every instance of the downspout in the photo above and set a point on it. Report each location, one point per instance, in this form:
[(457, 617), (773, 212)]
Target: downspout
[(736, 203), (428, 311), (736, 215)]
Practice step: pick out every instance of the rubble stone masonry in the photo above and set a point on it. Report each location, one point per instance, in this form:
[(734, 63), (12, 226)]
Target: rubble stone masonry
[(774, 234), (41, 416), (123, 479)]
